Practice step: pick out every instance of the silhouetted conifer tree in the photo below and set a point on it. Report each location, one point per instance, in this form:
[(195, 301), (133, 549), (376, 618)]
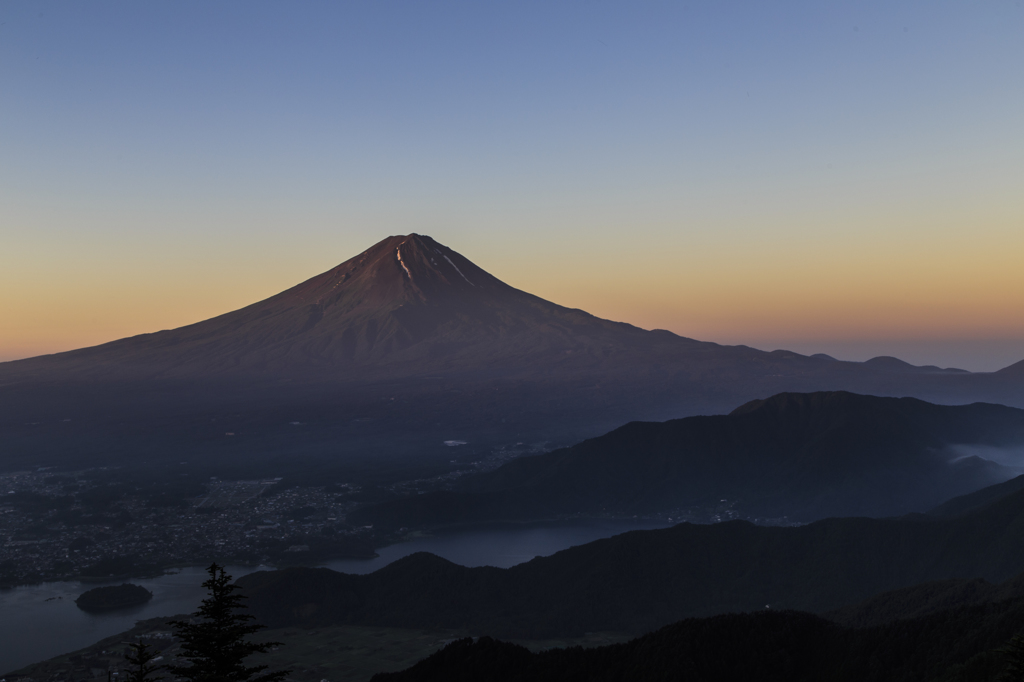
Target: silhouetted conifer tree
[(1014, 653), (215, 641), (140, 663)]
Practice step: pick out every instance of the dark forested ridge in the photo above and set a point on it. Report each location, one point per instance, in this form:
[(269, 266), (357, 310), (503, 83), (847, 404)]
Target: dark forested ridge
[(641, 580), (965, 504), (926, 599), (958, 645), (805, 456)]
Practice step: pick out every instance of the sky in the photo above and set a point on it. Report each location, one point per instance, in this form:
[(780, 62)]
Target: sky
[(832, 177)]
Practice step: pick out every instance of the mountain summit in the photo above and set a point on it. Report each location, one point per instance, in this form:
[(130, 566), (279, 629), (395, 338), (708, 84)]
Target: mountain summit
[(407, 300), (407, 343)]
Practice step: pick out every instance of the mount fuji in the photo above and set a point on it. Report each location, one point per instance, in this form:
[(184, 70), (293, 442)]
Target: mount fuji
[(391, 353)]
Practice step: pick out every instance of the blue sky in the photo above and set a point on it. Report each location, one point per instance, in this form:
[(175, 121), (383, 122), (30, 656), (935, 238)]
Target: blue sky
[(815, 175)]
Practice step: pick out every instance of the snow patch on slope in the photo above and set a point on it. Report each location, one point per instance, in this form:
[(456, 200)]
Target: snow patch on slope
[(458, 271), (398, 253)]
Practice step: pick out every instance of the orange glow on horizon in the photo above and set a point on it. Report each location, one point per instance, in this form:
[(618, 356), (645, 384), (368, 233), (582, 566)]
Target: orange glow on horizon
[(751, 298)]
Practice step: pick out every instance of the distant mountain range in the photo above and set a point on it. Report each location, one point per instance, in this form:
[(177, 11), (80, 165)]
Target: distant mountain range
[(642, 580), (795, 455), (388, 355)]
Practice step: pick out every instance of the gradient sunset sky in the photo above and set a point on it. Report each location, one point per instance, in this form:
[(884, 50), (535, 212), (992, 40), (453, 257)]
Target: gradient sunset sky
[(828, 177)]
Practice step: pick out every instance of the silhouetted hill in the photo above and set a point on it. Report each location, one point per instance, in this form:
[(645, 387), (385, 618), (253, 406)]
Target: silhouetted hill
[(789, 646), (388, 355), (645, 579), (1016, 369), (805, 456), (922, 600), (964, 504)]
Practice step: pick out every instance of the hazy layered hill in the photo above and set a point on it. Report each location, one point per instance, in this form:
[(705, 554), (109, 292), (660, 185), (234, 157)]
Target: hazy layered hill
[(1016, 369), (645, 579), (392, 352), (805, 456)]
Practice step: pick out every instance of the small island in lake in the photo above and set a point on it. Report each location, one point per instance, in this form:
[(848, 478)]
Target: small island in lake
[(114, 597)]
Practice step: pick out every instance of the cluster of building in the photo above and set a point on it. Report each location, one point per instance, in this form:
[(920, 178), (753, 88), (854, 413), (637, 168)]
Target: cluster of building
[(49, 529)]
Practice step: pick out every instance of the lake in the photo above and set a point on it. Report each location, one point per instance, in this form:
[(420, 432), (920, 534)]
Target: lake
[(41, 621)]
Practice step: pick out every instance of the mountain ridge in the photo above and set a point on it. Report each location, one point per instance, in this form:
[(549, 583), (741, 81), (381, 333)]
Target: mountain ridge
[(801, 456), (645, 579)]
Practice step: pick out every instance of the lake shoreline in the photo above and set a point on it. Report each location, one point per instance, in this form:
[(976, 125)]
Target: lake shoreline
[(41, 620), (386, 541)]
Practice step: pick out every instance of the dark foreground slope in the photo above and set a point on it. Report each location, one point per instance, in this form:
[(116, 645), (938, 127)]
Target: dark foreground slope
[(926, 599), (645, 579), (390, 353), (805, 456), (972, 502), (959, 645)]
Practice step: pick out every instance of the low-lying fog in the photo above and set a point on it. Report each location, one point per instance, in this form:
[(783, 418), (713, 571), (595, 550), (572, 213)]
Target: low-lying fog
[(1012, 458)]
